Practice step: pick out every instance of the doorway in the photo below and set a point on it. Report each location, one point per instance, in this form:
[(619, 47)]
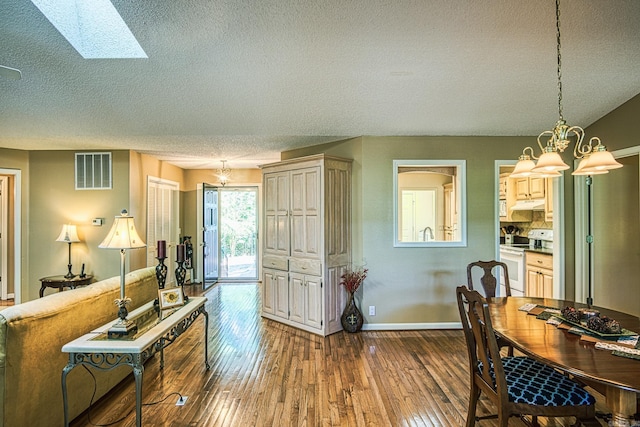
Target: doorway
[(10, 226), (615, 210), (230, 234)]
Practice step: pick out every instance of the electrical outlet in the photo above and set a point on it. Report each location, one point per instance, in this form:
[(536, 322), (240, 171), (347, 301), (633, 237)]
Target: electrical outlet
[(372, 310), (181, 400)]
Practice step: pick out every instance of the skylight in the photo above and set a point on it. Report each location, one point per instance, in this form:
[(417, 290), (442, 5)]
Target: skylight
[(93, 27)]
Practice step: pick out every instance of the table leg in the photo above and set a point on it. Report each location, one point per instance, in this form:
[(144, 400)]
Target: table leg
[(138, 370), (65, 400), (206, 339), (622, 404), (42, 288)]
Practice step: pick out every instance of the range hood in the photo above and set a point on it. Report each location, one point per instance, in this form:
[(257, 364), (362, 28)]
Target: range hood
[(529, 205)]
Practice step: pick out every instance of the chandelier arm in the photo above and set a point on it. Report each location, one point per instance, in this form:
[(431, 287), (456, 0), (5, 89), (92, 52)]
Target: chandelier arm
[(532, 155), (551, 137)]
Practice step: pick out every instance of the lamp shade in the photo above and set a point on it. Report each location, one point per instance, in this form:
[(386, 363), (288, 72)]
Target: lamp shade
[(69, 234), (584, 168), (123, 234), (550, 161), (601, 160), (523, 168)]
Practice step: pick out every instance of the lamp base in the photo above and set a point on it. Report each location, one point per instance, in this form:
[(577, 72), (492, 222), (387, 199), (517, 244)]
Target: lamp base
[(122, 329), (69, 274)]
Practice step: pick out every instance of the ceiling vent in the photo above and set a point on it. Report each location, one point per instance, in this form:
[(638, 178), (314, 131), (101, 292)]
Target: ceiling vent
[(93, 171)]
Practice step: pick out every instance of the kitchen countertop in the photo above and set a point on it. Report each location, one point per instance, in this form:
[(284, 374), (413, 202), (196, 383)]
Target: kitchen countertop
[(526, 248), (546, 251)]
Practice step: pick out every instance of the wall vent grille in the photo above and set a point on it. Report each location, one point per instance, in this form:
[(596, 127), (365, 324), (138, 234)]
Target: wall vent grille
[(93, 171)]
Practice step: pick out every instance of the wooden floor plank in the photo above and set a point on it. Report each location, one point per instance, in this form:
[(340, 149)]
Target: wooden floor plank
[(264, 373)]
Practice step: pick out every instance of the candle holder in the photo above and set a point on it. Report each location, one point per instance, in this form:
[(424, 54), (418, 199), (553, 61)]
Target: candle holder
[(161, 272), (181, 274)]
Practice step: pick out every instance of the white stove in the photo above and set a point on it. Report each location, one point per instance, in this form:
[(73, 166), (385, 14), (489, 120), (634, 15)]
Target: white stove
[(540, 238), (513, 256)]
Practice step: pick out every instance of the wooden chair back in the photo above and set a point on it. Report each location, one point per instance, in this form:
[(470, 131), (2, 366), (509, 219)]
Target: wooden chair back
[(482, 346), (488, 281)]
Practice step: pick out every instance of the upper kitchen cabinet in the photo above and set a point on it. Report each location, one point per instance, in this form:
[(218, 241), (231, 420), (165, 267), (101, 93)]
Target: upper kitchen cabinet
[(307, 241), (530, 188)]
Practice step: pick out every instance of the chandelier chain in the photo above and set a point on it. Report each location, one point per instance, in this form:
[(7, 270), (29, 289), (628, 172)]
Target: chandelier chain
[(559, 60)]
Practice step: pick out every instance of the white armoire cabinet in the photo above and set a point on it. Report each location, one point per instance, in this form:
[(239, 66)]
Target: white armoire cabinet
[(307, 241)]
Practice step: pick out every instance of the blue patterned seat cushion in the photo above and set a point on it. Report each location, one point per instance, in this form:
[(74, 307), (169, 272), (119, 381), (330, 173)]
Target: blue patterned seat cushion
[(535, 383)]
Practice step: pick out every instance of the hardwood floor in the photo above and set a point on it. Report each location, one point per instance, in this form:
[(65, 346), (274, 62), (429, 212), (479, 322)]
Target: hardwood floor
[(267, 374)]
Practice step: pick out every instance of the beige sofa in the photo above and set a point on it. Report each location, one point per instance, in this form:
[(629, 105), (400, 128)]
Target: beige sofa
[(31, 361)]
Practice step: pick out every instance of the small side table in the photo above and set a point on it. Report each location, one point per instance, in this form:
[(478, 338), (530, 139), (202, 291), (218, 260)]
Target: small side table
[(61, 282)]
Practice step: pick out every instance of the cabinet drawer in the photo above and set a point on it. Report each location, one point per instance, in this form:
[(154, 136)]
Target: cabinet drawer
[(306, 266), (539, 260), (274, 262)]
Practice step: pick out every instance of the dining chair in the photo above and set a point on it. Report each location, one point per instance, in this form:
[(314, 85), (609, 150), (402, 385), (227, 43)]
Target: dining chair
[(488, 281), (520, 385)]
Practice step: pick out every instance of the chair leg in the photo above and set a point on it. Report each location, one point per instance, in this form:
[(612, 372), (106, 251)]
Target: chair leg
[(503, 418), (473, 402)]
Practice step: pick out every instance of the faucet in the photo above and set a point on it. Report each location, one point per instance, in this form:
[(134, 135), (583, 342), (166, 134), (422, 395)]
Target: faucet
[(424, 232)]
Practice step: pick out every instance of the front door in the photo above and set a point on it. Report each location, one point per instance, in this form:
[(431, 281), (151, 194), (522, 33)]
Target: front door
[(230, 233)]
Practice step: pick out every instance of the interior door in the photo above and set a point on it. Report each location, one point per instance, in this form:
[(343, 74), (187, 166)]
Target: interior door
[(162, 221)]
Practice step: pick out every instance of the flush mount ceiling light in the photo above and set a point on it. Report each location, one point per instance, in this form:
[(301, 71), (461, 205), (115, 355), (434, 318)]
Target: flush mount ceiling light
[(94, 28), (595, 157), (224, 174)]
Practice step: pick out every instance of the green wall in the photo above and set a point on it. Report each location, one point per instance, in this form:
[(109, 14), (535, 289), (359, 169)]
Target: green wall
[(54, 201)]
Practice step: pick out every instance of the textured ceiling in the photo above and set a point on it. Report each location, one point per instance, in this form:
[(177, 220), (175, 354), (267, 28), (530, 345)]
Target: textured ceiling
[(245, 80)]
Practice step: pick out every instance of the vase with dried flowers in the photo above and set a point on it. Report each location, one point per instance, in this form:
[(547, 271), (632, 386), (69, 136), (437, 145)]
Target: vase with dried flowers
[(352, 318)]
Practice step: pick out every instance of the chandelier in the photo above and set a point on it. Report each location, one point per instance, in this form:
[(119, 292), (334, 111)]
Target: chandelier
[(224, 174), (595, 159)]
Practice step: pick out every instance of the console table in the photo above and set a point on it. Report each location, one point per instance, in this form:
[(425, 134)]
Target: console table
[(95, 349), (61, 282)]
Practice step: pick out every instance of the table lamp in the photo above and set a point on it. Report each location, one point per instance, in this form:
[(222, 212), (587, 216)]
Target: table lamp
[(69, 234), (123, 236)]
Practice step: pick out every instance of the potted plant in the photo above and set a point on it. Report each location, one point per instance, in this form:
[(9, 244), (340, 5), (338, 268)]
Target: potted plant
[(351, 279)]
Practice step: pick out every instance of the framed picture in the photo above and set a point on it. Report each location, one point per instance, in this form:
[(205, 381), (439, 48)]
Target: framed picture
[(169, 298)]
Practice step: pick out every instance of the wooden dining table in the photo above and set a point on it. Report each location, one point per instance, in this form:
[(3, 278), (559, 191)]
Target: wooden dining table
[(616, 377)]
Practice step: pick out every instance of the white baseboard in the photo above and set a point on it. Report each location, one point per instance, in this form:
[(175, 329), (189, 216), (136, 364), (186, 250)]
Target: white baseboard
[(410, 326)]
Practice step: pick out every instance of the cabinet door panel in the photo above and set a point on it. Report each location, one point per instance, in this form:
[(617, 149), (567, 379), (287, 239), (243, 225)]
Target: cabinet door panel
[(276, 211), (536, 188), (282, 294), (338, 214), (305, 212), (335, 298), (546, 279), (296, 298), (532, 283), (522, 188), (313, 301), (268, 291)]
